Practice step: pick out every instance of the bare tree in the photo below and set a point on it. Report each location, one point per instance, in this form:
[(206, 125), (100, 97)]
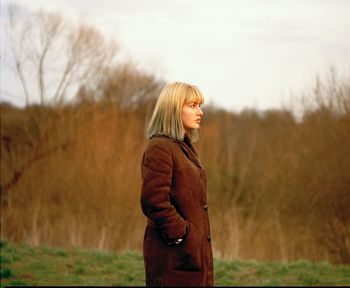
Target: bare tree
[(51, 57)]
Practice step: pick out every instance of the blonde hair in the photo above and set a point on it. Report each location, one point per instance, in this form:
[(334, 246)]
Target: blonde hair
[(166, 118)]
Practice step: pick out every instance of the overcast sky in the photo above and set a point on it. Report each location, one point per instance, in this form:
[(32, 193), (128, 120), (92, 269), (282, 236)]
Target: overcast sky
[(241, 54)]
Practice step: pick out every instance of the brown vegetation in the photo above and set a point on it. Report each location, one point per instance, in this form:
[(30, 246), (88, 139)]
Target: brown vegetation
[(278, 188)]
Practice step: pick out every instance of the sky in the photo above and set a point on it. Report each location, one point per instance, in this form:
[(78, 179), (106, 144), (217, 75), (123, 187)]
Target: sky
[(241, 54)]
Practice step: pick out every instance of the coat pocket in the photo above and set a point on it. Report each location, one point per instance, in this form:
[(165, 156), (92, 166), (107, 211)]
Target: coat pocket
[(189, 254)]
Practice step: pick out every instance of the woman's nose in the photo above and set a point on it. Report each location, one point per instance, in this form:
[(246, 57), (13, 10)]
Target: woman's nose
[(199, 111)]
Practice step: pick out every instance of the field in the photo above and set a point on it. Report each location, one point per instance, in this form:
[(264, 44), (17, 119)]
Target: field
[(42, 265)]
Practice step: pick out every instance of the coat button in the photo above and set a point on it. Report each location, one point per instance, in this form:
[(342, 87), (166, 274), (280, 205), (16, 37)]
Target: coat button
[(205, 207), (209, 238)]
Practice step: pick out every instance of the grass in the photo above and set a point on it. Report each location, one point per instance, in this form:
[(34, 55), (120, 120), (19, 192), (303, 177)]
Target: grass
[(26, 265), (301, 272)]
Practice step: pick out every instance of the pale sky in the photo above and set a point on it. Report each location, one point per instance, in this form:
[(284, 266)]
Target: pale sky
[(241, 54)]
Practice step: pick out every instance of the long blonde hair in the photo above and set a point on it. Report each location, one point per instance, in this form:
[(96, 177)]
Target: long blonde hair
[(166, 118)]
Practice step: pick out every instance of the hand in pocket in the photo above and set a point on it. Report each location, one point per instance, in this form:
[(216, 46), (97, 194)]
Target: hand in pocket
[(189, 253)]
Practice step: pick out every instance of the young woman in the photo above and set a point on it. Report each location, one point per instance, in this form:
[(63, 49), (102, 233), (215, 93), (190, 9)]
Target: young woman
[(177, 242)]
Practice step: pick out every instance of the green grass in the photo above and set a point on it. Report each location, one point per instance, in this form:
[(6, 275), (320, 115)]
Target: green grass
[(301, 272), (26, 265)]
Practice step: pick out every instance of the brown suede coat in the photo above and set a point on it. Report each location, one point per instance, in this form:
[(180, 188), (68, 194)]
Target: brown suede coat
[(173, 197)]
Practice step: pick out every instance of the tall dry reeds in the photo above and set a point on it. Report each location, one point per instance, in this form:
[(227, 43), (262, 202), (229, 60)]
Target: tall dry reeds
[(82, 194), (279, 187)]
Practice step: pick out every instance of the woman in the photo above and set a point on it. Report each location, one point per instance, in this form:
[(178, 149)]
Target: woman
[(177, 242)]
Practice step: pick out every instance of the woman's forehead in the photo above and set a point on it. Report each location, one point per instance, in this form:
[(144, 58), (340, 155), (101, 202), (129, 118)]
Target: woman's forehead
[(196, 99)]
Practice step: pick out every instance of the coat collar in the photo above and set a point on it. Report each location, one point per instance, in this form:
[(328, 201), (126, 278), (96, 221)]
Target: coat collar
[(185, 146), (190, 153), (164, 136)]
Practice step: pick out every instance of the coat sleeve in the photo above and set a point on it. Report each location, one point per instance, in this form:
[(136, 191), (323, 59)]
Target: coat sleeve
[(157, 174)]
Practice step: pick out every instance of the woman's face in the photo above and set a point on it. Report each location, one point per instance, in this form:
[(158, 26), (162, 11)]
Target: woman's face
[(191, 116)]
